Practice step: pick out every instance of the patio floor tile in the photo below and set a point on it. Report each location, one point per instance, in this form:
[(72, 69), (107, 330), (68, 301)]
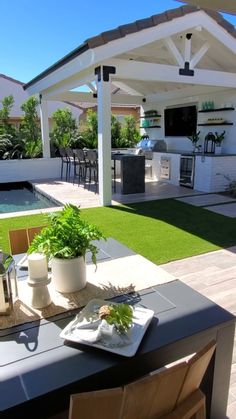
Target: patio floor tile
[(229, 210), (206, 199)]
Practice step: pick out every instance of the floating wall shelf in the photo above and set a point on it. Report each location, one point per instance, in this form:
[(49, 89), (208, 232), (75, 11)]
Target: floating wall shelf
[(212, 124), (151, 126), (216, 110), (150, 116)]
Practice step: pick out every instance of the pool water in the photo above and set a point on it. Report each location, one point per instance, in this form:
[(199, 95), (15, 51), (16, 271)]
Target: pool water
[(20, 196)]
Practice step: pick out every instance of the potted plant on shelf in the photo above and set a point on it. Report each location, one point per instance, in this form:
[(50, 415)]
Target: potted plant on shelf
[(219, 137), (65, 242), (194, 138)]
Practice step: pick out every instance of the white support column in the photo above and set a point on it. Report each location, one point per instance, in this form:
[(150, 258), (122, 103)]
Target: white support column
[(104, 136), (44, 128)]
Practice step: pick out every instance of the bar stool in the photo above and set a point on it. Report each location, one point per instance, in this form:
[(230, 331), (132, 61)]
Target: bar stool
[(70, 158), (64, 161), (79, 165), (92, 166)]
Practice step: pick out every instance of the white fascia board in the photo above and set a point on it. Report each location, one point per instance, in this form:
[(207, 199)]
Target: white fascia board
[(135, 70), (88, 97), (79, 65), (218, 32)]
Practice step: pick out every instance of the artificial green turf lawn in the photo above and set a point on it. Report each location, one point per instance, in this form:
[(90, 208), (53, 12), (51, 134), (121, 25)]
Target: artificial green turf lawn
[(161, 231)]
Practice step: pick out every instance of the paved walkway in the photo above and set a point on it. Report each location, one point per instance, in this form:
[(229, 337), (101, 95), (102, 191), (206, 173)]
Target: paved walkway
[(213, 275), (221, 204)]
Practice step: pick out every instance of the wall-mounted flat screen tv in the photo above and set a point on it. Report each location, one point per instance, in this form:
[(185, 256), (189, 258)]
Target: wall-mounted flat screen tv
[(180, 121)]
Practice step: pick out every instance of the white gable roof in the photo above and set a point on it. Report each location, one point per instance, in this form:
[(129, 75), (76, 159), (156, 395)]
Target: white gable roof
[(148, 56)]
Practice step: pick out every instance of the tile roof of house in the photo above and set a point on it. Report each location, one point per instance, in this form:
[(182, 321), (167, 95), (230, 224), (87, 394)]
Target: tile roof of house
[(123, 30)]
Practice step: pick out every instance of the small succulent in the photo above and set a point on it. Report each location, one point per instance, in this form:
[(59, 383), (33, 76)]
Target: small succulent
[(219, 137), (121, 315)]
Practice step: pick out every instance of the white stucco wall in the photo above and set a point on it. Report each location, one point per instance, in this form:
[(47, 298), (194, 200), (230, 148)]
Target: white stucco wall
[(29, 169)]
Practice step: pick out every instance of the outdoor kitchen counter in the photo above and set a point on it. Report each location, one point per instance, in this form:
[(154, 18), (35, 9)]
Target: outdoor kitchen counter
[(210, 175), (190, 153), (132, 172)]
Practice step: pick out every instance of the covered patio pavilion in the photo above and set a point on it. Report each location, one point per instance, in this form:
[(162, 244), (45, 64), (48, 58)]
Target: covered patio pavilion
[(177, 55)]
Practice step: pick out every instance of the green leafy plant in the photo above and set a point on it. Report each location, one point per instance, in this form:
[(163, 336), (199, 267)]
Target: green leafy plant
[(67, 236), (7, 105), (30, 126), (194, 138), (129, 132), (121, 315), (64, 128), (219, 138)]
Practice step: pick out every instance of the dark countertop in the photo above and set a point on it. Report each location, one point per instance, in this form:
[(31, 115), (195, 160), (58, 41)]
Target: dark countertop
[(189, 153)]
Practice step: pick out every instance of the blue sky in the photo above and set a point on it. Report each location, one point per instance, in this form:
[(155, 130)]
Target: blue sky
[(36, 33)]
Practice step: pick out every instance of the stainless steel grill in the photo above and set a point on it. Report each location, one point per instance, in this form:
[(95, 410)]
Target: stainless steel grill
[(151, 145)]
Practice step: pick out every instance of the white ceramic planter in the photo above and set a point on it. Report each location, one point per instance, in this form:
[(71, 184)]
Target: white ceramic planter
[(68, 275)]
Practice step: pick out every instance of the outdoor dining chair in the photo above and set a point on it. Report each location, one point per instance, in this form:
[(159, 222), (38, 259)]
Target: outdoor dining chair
[(20, 239), (169, 393)]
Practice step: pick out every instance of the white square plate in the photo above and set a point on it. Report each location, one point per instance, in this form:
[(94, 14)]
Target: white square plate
[(125, 344)]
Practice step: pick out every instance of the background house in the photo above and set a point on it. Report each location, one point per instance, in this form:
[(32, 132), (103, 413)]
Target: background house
[(10, 86)]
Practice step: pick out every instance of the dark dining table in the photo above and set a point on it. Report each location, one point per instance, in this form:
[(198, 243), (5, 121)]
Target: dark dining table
[(39, 370)]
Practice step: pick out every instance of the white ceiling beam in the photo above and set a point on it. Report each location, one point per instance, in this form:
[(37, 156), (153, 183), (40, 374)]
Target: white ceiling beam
[(174, 51), (134, 70), (189, 92), (199, 54), (89, 97), (91, 87), (126, 88), (187, 47), (69, 84)]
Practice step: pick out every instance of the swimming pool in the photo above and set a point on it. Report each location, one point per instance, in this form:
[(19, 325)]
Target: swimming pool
[(21, 196)]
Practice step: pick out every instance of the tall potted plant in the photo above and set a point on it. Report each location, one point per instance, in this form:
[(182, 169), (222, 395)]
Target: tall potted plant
[(65, 241)]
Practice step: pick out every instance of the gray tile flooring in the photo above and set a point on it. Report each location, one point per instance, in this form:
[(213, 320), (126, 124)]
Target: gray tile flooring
[(220, 204), (228, 210), (206, 199)]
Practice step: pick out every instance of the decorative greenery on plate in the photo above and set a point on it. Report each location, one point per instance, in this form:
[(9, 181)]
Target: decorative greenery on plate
[(121, 315)]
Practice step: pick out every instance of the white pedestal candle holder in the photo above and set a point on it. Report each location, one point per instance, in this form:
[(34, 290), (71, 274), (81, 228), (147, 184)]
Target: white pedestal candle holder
[(38, 280)]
